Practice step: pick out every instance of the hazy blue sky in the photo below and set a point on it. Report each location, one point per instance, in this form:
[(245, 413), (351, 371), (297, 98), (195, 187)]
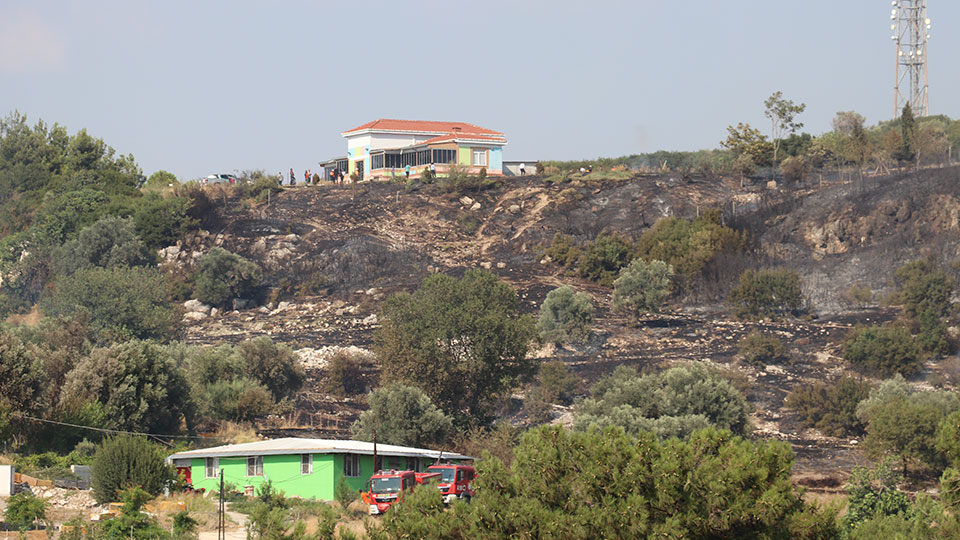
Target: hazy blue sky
[(197, 87)]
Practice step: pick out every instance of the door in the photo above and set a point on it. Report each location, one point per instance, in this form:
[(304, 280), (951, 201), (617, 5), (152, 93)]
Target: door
[(359, 163)]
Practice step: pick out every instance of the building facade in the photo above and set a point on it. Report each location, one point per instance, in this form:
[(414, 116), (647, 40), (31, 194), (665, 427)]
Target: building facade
[(308, 468), (385, 148)]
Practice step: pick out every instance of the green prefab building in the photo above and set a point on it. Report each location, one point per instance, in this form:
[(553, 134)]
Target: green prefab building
[(308, 468)]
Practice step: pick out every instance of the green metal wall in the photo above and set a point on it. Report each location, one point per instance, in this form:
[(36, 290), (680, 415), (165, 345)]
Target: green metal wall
[(284, 472), (465, 156)]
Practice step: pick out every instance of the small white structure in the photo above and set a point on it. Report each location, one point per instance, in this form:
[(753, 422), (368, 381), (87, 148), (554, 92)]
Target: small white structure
[(6, 480)]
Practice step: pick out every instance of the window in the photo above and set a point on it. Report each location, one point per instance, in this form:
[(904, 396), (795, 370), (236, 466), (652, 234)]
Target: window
[(255, 466), (479, 157), (351, 465), (393, 462), (414, 464), (212, 467), (376, 162), (306, 463)]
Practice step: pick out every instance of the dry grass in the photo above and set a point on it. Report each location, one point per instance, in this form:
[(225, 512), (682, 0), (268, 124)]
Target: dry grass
[(235, 433), (203, 509), (31, 318)]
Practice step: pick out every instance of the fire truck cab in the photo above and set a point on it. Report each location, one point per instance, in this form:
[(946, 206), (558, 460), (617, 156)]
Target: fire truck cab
[(388, 487), (456, 481)]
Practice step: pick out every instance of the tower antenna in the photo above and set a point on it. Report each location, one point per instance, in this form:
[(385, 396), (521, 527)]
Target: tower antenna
[(910, 28)]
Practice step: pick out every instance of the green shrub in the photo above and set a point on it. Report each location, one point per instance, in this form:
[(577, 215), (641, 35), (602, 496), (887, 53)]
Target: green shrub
[(642, 287), (759, 349), (222, 276), (237, 400), (538, 404), (767, 293), (689, 246), (22, 381), (884, 349), (673, 403), (565, 316), (127, 461), (462, 341), (925, 292), (469, 224), (122, 303), (136, 384), (344, 494), (858, 295), (831, 407), (402, 415), (602, 260), (563, 251), (25, 511), (345, 375), (161, 222), (873, 494), (276, 366), (557, 381), (110, 242)]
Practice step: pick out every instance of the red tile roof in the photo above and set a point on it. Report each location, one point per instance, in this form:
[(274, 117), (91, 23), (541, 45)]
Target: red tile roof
[(425, 126), (466, 136)]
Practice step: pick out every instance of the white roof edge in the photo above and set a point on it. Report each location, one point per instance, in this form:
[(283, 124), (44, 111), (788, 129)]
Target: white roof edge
[(292, 445)]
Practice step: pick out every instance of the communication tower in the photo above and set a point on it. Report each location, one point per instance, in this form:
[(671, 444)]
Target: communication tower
[(911, 30)]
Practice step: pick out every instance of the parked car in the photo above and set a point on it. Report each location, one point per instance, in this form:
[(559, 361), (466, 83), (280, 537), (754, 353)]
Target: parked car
[(219, 178)]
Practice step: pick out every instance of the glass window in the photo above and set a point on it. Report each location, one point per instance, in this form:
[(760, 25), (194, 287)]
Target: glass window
[(306, 463), (351, 465), (393, 462), (213, 467), (479, 157), (255, 466)]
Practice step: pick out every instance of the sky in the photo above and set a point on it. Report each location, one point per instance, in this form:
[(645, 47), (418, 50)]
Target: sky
[(199, 87)]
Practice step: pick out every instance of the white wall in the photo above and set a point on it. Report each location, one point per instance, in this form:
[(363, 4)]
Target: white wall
[(6, 480), (395, 140)]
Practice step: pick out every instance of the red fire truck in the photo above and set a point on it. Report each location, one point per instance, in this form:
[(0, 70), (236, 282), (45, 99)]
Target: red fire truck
[(456, 481), (388, 487)]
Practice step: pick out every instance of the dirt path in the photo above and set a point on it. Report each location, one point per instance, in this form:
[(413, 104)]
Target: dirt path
[(235, 531)]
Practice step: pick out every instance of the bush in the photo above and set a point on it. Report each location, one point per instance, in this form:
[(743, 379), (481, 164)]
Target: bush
[(109, 243), (565, 316), (884, 349), (873, 494), (642, 287), (127, 461), (767, 293), (21, 382), (858, 295), (925, 291), (602, 260), (343, 493), (275, 366), (689, 246), (122, 303), (462, 341), (831, 407), (557, 381), (402, 415), (25, 511), (538, 404), (137, 384), (345, 375), (469, 224), (759, 349), (237, 400), (607, 485), (673, 403), (317, 283), (222, 276), (161, 222), (563, 251)]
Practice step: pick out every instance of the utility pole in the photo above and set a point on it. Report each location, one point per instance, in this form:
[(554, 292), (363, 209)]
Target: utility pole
[(910, 29), (221, 518)]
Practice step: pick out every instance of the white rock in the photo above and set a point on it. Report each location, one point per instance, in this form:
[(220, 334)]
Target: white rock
[(214, 312), (501, 265), (283, 305), (514, 209), (466, 201), (194, 316), (486, 264), (371, 291), (475, 206), (195, 305), (370, 319)]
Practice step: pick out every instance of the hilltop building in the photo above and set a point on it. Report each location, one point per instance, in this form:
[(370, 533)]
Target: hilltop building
[(384, 148), (308, 468)]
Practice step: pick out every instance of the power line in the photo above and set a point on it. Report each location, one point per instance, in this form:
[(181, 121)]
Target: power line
[(118, 431)]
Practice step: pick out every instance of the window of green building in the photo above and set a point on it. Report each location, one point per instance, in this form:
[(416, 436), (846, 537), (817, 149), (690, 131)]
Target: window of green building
[(255, 466), (351, 465), (212, 467), (306, 463)]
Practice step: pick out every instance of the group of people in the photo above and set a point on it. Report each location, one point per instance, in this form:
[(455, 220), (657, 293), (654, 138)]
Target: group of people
[(335, 176)]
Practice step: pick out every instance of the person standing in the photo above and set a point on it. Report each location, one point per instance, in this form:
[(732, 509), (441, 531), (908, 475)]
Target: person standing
[(406, 171), (292, 177), (523, 169), (433, 171), (280, 178)]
